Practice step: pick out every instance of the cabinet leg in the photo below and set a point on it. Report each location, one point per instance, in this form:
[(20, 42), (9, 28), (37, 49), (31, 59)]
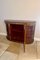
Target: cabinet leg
[(24, 47)]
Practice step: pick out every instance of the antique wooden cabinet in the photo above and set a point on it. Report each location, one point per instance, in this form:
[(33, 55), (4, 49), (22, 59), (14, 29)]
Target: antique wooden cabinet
[(20, 31)]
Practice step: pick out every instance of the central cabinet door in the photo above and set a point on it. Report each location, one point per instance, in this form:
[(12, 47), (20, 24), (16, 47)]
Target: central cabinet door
[(17, 32)]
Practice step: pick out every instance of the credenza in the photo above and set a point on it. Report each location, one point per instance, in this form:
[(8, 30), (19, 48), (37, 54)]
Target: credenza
[(20, 31)]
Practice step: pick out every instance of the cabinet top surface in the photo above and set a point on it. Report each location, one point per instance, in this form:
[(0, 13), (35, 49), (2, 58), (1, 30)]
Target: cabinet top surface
[(19, 21)]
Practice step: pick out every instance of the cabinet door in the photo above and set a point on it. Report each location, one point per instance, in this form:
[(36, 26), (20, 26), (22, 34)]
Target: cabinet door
[(29, 34), (17, 32)]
